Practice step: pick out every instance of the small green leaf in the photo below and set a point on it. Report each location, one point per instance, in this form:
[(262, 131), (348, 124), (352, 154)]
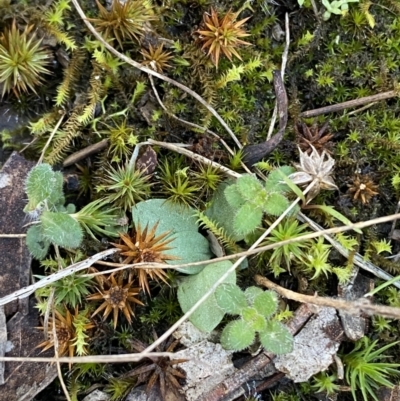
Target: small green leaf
[(276, 338), (230, 298), (274, 181), (256, 321), (237, 335), (251, 293), (276, 204), (266, 303), (61, 229), (44, 184), (37, 245), (233, 196), (209, 314), (248, 186), (247, 219)]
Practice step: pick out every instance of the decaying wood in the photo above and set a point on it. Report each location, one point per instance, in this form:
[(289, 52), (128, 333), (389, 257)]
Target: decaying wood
[(3, 341), (23, 380), (19, 336), (389, 394), (14, 256), (314, 347)]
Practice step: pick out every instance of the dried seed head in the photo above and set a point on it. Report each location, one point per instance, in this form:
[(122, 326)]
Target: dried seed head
[(314, 167)]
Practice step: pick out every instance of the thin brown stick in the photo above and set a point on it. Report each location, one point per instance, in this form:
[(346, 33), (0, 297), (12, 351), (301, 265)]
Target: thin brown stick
[(85, 152), (349, 104), (154, 73), (12, 235), (357, 308)]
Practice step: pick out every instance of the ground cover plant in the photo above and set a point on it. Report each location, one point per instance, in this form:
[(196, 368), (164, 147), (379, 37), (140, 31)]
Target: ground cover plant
[(173, 186)]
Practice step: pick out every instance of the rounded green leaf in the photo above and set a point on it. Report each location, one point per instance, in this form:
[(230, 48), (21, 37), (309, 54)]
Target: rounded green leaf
[(233, 196), (61, 229), (276, 204), (251, 293), (44, 184), (209, 314), (275, 183), (247, 219), (188, 244), (256, 321), (276, 338), (266, 303), (237, 335), (37, 245), (223, 206), (230, 298), (248, 186)]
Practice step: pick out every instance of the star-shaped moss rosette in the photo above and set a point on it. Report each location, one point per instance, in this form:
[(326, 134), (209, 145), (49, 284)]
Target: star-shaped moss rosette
[(143, 245), (161, 372), (124, 20), (188, 244), (314, 167), (23, 60), (71, 331), (117, 295), (222, 35)]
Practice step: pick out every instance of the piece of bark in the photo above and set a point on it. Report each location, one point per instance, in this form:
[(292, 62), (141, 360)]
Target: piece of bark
[(314, 347), (15, 259), (147, 162), (354, 326), (207, 365), (3, 341), (23, 380)]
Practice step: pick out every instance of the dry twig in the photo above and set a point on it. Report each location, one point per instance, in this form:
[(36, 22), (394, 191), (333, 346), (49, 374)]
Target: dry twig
[(356, 308), (349, 104)]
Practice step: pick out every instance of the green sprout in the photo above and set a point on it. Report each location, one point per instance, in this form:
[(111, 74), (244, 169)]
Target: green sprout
[(365, 372), (124, 186), (123, 21), (325, 383), (286, 230), (22, 60)]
